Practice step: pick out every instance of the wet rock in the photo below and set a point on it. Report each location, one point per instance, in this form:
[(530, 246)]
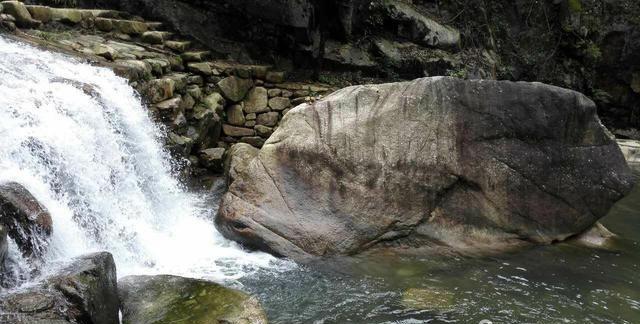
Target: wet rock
[(268, 119), (179, 123), (279, 103), (28, 222), (213, 159), (532, 160), (207, 125), (235, 116), (83, 291), (172, 104), (133, 70), (237, 131), (179, 145), (234, 88), (214, 102), (257, 100), (18, 10), (167, 299)]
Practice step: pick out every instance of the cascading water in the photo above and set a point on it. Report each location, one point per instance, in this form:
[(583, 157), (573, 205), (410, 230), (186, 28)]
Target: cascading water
[(92, 156)]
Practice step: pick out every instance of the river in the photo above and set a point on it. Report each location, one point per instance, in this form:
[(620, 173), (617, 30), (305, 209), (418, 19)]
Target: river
[(79, 139)]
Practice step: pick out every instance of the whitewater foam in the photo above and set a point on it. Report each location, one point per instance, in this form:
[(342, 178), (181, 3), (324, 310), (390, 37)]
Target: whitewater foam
[(94, 159)]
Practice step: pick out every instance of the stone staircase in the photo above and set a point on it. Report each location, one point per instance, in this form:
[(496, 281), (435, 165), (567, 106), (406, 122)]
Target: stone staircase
[(206, 103)]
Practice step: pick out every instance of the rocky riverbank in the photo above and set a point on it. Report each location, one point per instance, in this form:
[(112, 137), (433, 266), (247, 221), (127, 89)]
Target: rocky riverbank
[(590, 46), (205, 104), (85, 290)]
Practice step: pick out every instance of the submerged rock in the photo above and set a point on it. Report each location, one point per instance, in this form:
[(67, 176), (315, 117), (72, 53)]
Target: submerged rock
[(28, 222), (432, 299), (83, 291), (170, 299), (477, 166)]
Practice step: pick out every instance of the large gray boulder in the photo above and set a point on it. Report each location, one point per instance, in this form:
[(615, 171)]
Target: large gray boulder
[(82, 291), (171, 299), (476, 166), (27, 221)]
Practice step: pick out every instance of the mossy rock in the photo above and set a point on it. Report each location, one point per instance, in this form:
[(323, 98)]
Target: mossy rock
[(171, 299)]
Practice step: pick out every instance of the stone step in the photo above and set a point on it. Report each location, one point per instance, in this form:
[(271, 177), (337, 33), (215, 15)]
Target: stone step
[(129, 27), (178, 46), (154, 25), (67, 15), (198, 56), (156, 37)]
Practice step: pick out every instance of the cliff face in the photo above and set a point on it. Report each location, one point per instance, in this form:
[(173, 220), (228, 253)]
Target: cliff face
[(592, 46)]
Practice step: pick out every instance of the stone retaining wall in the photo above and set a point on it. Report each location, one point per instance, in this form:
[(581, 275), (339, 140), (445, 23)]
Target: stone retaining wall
[(206, 104)]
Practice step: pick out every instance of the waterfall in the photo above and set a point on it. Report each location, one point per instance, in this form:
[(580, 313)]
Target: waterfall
[(80, 140)]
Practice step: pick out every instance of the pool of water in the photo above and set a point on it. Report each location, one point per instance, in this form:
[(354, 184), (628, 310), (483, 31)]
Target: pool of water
[(563, 283)]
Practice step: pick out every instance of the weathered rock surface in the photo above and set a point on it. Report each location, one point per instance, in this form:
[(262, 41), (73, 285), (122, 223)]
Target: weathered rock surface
[(472, 165), (83, 291), (27, 222), (418, 27), (3, 246), (170, 299)]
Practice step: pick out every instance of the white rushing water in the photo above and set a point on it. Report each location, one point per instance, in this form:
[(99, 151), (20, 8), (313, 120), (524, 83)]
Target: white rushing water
[(97, 164)]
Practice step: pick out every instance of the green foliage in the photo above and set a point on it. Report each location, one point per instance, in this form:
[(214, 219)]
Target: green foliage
[(592, 52), (460, 73), (575, 5), (60, 3)]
